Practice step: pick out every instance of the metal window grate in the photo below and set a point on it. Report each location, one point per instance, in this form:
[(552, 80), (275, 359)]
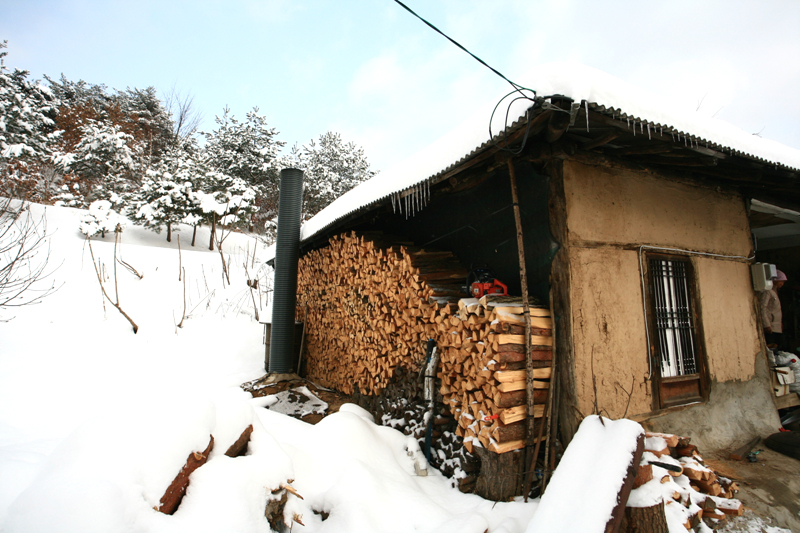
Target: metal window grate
[(673, 317)]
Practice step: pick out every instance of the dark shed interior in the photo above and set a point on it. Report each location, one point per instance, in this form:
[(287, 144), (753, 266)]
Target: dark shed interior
[(475, 221)]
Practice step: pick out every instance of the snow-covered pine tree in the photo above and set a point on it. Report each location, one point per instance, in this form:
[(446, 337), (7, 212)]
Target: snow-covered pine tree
[(26, 132), (136, 112), (108, 139), (148, 121), (225, 200), (248, 151), (332, 167), (167, 195), (105, 165)]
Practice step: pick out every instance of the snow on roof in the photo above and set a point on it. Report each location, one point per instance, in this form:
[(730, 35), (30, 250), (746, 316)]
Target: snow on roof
[(580, 83)]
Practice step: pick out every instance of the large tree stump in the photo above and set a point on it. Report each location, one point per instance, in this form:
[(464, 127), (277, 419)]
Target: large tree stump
[(501, 474), (645, 520)]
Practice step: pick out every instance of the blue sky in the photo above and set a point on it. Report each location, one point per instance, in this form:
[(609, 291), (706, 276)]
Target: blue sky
[(384, 80)]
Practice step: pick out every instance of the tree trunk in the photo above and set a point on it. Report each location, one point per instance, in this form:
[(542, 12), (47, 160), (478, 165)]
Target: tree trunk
[(169, 232), (213, 232), (194, 233), (645, 520)]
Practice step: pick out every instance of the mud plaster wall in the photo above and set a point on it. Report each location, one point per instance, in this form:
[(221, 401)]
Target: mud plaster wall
[(609, 214), (729, 320), (608, 332), (618, 206)]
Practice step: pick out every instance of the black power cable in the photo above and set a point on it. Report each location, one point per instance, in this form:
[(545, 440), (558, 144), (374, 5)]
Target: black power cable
[(507, 148), (524, 92), (516, 86)]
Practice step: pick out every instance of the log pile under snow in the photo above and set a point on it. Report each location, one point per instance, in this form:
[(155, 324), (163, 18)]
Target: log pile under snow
[(371, 303), (274, 503), (674, 485)]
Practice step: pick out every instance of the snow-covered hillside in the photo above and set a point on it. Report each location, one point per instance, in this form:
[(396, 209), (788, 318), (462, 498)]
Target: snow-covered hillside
[(95, 421)]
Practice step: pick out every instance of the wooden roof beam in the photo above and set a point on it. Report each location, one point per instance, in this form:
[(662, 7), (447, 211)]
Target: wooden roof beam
[(600, 141), (653, 147), (685, 161)]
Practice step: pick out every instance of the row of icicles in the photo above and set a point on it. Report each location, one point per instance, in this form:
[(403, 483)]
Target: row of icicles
[(412, 199), (416, 197), (689, 141)]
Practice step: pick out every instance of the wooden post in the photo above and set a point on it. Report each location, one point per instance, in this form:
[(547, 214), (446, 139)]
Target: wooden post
[(618, 513), (551, 394), (302, 340), (523, 277)]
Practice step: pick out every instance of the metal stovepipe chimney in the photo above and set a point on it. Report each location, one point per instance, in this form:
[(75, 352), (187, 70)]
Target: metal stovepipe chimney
[(287, 250)]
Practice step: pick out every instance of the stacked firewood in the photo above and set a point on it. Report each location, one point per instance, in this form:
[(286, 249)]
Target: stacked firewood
[(672, 468), (483, 373), (370, 306), (371, 302)]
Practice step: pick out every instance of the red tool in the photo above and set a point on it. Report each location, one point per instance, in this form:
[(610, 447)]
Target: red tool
[(482, 281)]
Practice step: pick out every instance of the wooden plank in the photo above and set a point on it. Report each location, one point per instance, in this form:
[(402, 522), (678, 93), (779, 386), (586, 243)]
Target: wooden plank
[(740, 453), (522, 385), (515, 414), (539, 340), (508, 376), (507, 446), (788, 400), (536, 321), (505, 400)]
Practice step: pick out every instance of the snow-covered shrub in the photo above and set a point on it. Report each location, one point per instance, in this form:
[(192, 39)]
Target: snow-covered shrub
[(101, 219)]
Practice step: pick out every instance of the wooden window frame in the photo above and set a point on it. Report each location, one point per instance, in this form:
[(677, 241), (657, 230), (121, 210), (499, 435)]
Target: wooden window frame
[(672, 391)]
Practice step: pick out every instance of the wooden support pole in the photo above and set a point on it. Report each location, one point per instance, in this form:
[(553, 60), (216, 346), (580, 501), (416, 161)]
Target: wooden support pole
[(302, 340), (523, 277), (551, 395)]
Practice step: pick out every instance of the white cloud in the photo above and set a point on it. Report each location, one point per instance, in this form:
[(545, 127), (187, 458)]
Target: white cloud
[(271, 11), (377, 77)]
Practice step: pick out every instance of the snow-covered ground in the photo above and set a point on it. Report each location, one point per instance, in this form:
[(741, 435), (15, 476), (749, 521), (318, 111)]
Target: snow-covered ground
[(96, 421)]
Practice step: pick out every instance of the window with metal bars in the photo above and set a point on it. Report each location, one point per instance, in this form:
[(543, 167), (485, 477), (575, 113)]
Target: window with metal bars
[(673, 317)]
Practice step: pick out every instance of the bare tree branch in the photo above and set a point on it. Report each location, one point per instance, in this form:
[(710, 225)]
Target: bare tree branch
[(186, 117), (98, 266), (130, 268), (24, 255), (183, 317)]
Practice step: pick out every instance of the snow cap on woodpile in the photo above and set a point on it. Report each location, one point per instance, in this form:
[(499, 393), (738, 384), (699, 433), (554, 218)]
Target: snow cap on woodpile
[(645, 111), (584, 489)]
